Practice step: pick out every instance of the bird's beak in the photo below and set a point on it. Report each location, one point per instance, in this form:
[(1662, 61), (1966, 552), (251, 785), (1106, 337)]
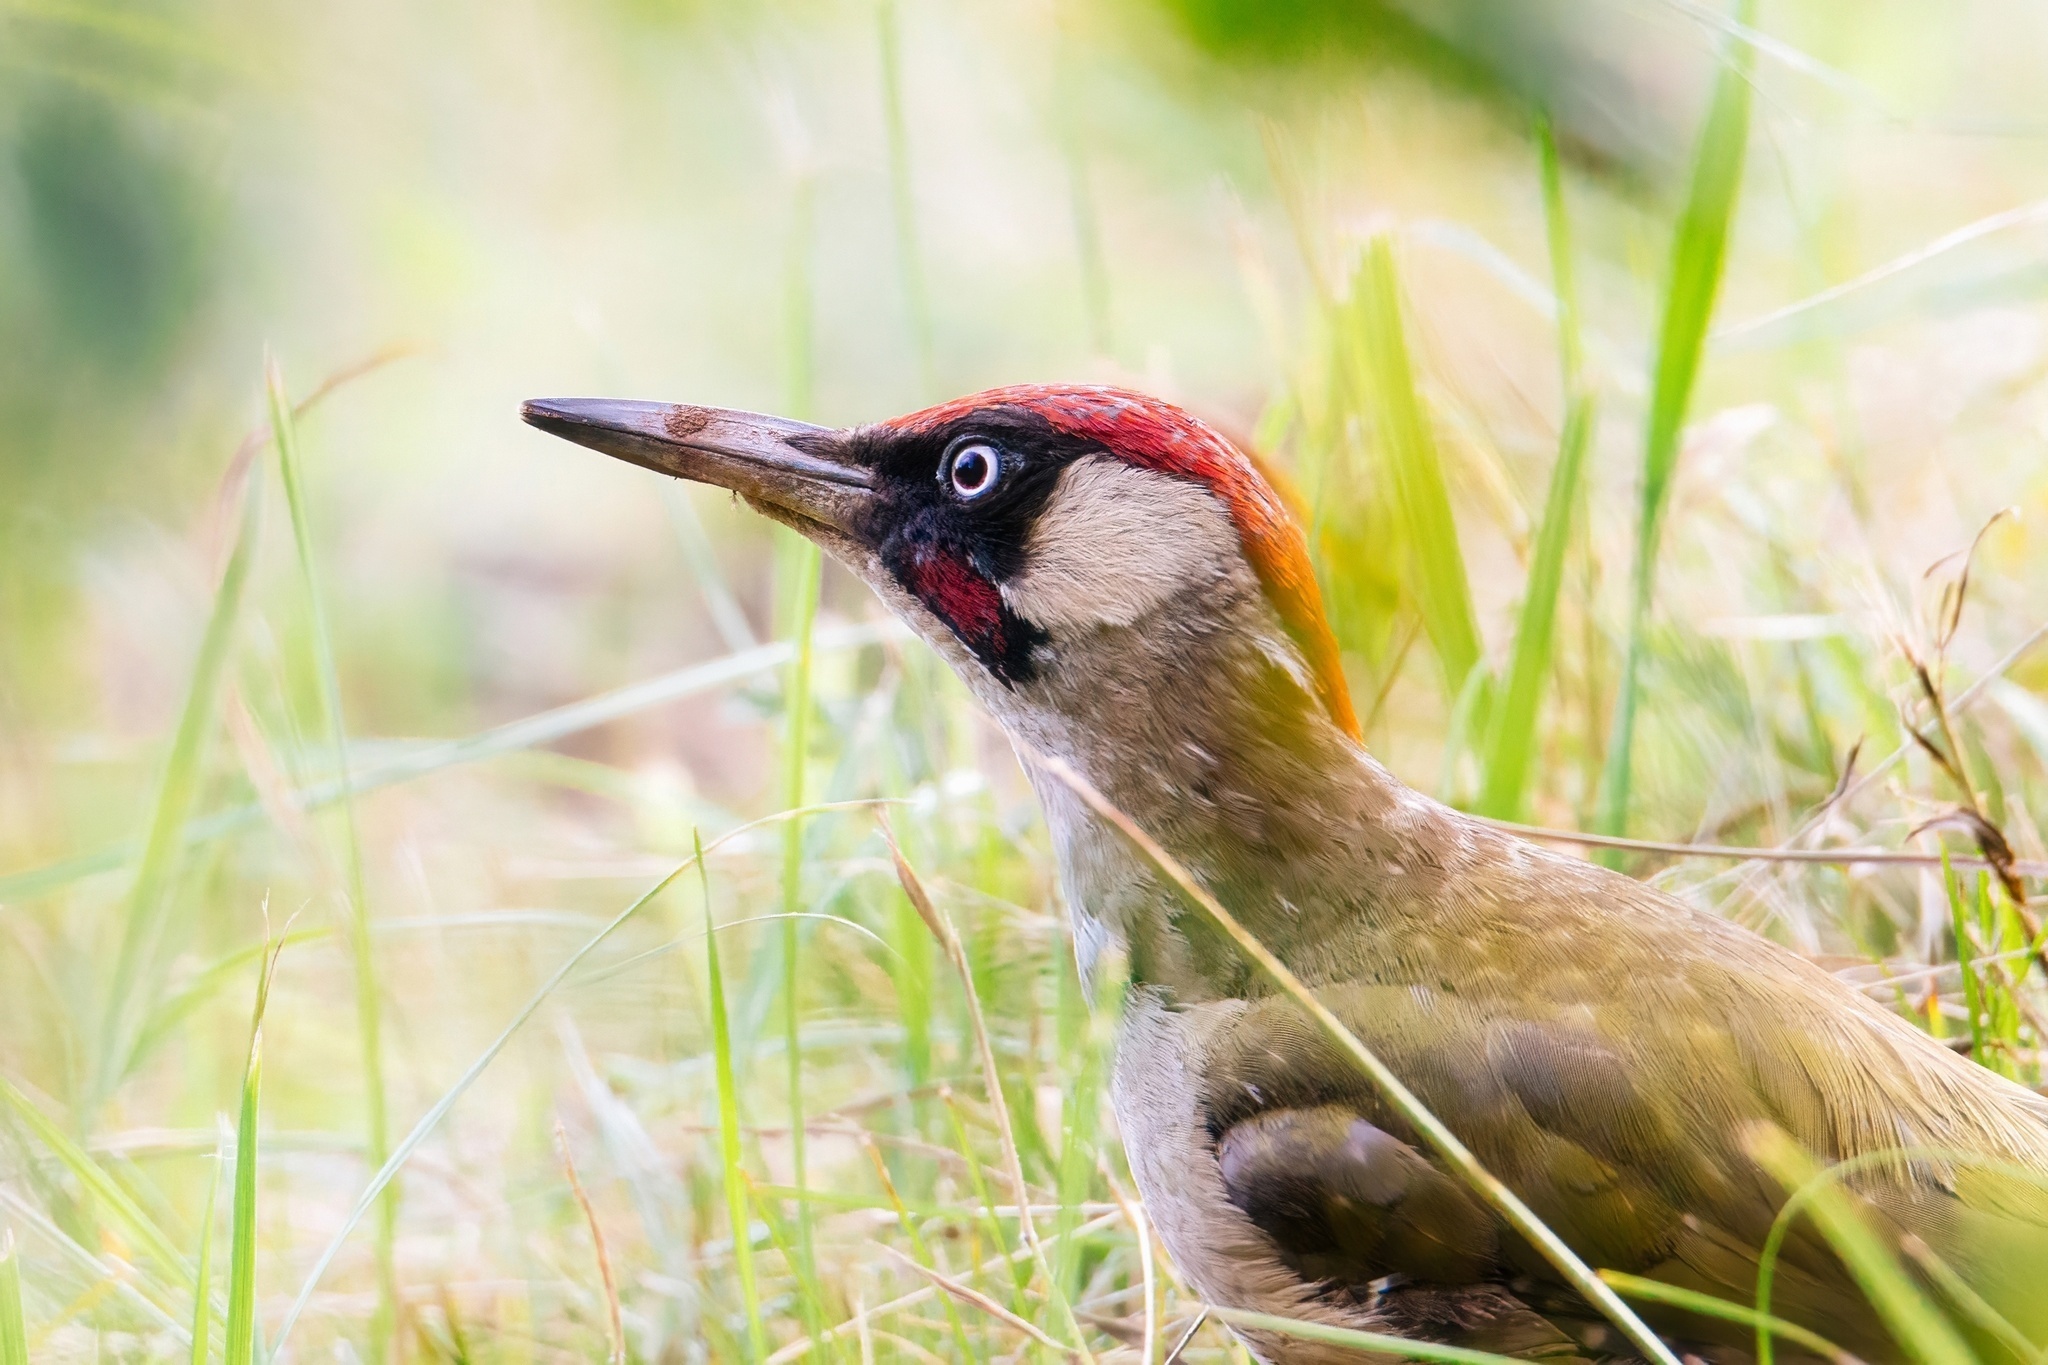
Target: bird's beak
[(773, 462)]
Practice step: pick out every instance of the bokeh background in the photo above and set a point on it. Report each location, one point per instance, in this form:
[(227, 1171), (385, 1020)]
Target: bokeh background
[(421, 213)]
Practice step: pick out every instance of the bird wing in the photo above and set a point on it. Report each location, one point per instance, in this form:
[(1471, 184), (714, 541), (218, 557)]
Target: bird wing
[(1623, 1120)]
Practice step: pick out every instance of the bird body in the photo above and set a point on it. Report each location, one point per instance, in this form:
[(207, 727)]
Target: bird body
[(1126, 593)]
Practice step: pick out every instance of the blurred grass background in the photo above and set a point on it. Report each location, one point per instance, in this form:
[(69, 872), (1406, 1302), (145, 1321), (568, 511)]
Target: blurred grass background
[(1643, 369)]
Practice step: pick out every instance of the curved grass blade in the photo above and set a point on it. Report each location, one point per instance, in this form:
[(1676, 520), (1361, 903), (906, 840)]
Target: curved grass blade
[(114, 1202), (1442, 591), (1698, 252), (1925, 1333), (1706, 1305)]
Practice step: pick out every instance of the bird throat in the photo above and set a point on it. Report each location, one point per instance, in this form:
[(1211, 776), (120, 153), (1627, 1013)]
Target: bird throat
[(1202, 727)]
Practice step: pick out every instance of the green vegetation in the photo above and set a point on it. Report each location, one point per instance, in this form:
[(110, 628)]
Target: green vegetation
[(1652, 443)]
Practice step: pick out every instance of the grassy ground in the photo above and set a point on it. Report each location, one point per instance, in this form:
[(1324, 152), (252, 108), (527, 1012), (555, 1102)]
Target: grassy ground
[(1658, 492)]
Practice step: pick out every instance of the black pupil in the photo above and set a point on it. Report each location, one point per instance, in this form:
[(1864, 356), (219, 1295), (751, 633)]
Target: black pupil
[(972, 469)]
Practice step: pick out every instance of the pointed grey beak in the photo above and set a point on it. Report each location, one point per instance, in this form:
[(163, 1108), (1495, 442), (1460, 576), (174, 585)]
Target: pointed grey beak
[(767, 460)]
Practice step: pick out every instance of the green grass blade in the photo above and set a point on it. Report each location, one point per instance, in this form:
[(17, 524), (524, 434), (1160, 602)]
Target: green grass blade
[(1408, 444), (1706, 1305), (13, 1325), (240, 1343), (729, 1125), (1511, 740), (177, 790), (1973, 987), (369, 1008), (1698, 252), (113, 1202), (202, 1283)]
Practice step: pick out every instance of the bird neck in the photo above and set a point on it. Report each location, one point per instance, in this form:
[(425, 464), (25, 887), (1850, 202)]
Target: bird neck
[(1204, 729)]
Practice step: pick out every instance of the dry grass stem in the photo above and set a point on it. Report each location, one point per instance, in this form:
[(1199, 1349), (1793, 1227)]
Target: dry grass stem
[(615, 1329)]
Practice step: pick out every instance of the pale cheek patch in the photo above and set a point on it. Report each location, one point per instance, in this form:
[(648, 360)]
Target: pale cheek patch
[(1114, 542)]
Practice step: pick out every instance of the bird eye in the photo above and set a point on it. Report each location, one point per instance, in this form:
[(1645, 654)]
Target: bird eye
[(974, 469)]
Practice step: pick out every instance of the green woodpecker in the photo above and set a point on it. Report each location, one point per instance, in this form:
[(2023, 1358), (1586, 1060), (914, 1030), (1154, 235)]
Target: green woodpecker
[(1124, 591)]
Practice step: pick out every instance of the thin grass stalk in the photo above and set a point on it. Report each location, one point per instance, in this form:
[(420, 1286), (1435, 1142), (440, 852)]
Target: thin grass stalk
[(1920, 1328), (362, 951), (403, 1151), (949, 942), (1404, 1101), (803, 565), (239, 1347), (1407, 443), (202, 1283), (1706, 1305), (1698, 252), (13, 1322), (177, 790), (903, 197), (1511, 741), (1840, 857), (729, 1120)]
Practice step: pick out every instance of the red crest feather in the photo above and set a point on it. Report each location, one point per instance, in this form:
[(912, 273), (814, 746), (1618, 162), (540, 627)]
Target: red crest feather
[(1149, 433)]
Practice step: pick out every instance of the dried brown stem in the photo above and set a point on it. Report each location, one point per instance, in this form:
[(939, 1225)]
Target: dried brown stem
[(615, 1321)]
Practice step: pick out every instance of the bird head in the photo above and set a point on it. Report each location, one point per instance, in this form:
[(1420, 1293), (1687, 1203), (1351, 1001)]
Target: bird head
[(1072, 551)]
